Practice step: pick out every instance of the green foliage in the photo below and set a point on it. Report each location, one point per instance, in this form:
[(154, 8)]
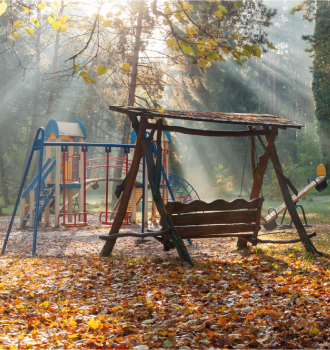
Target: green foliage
[(309, 156)]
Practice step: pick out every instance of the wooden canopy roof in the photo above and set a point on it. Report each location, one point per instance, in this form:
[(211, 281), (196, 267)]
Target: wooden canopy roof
[(215, 117)]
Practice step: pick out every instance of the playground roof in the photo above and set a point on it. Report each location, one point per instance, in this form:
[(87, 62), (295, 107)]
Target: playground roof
[(215, 117)]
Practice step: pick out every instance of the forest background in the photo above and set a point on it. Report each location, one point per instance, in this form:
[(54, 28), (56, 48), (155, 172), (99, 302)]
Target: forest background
[(278, 82)]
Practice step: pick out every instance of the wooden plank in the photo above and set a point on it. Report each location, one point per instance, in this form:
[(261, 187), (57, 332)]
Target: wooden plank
[(200, 231), (224, 217), (208, 133), (295, 198), (219, 204)]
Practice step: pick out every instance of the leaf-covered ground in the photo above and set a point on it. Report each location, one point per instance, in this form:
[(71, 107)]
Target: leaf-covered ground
[(142, 297)]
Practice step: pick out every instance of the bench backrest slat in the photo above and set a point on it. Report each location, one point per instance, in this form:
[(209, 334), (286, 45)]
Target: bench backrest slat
[(217, 205), (223, 217)]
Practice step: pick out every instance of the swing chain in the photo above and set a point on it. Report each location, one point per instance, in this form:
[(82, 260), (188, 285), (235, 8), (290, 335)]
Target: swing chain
[(246, 149)]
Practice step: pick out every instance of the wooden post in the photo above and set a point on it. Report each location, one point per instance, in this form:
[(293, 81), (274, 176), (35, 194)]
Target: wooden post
[(154, 176), (259, 176), (130, 180), (22, 211), (31, 218), (57, 183), (291, 206)]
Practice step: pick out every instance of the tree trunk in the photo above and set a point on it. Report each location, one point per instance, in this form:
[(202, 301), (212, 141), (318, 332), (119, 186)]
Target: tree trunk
[(131, 96), (53, 83), (37, 87), (4, 184), (321, 76)]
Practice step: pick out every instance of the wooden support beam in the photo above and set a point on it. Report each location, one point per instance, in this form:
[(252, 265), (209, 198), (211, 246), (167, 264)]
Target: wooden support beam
[(129, 183), (277, 169), (154, 172), (309, 246), (209, 133), (259, 174)]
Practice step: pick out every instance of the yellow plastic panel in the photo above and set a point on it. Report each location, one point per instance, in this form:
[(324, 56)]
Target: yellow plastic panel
[(321, 170)]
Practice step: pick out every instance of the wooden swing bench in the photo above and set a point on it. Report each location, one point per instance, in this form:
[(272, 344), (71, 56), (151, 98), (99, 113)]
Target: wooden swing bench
[(197, 219)]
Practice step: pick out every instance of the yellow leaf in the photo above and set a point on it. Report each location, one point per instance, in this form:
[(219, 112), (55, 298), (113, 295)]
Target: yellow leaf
[(63, 29), (26, 9), (56, 3), (218, 14), (11, 347), (67, 17), (68, 5), (92, 80), (72, 322), (15, 35), (57, 25), (101, 70), (72, 336), (31, 294), (85, 67), (109, 48), (94, 324), (160, 111), (18, 24), (35, 21), (42, 5), (62, 20), (45, 304), (72, 25), (109, 14), (51, 19), (314, 331), (126, 67), (29, 31), (83, 74), (204, 63), (234, 35), (170, 42), (3, 8), (107, 23), (83, 25)]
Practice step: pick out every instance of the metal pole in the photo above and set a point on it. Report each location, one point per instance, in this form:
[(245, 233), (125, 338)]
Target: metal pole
[(63, 180), (143, 189), (107, 187), (36, 219), (85, 215)]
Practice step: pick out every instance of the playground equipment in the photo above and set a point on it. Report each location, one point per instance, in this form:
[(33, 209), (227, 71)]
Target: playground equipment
[(67, 173), (320, 183), (270, 125)]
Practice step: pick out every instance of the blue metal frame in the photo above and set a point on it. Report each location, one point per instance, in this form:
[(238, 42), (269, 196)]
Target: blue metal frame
[(37, 145)]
